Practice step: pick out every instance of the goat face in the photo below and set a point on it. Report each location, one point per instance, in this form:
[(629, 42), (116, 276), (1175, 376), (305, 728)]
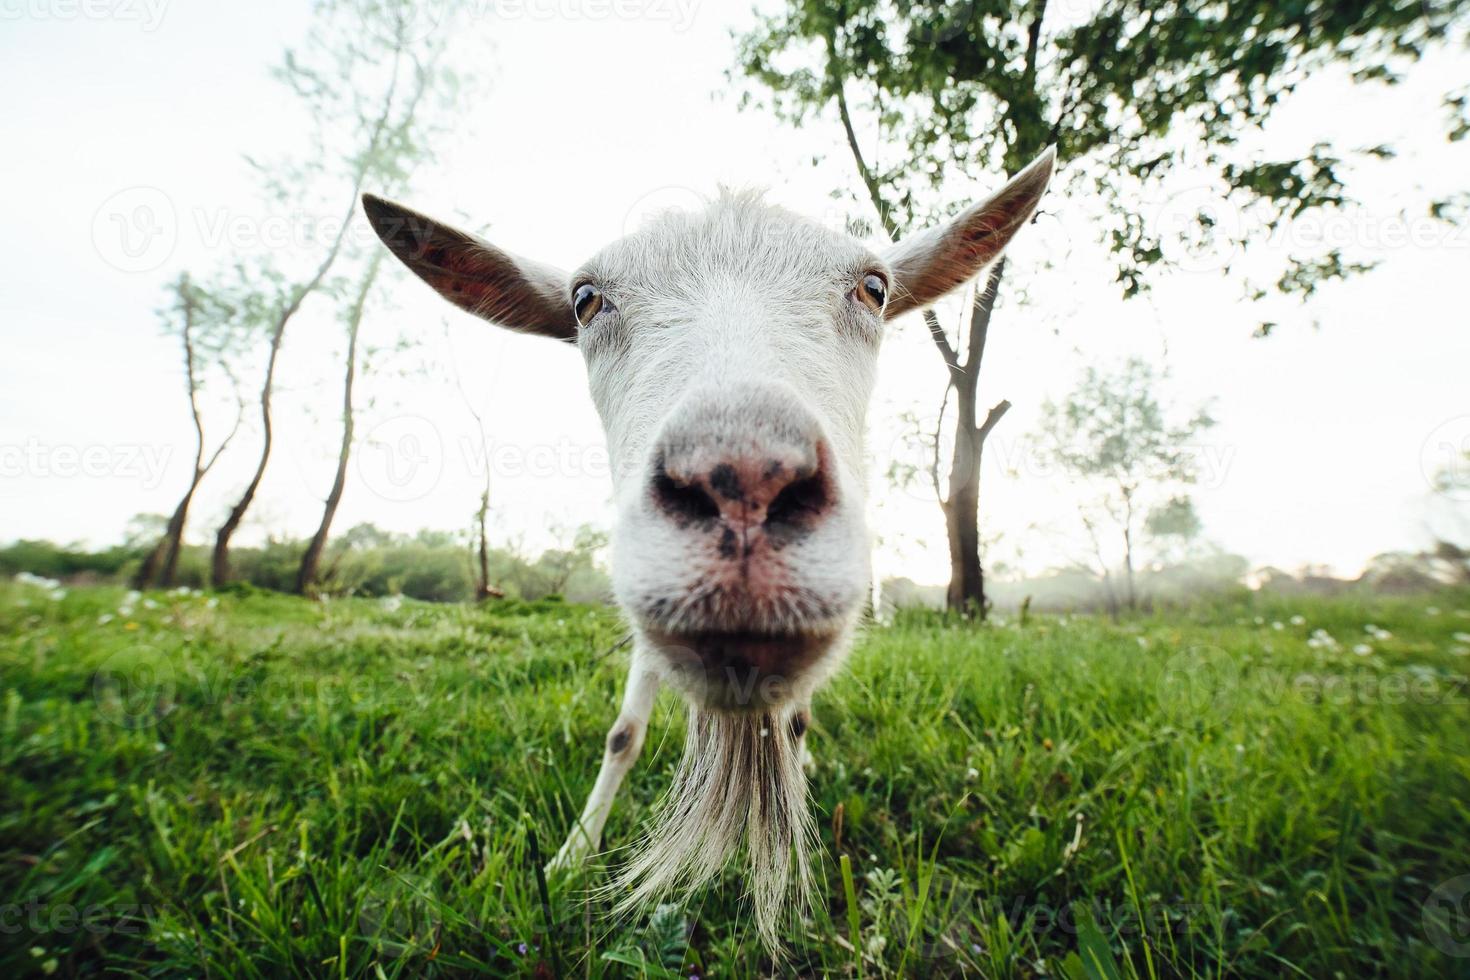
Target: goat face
[(731, 355)]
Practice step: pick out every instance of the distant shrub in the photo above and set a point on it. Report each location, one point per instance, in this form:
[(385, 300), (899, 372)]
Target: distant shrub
[(432, 565)]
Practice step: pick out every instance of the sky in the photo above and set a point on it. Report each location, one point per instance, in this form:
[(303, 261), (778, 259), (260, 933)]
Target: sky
[(126, 132)]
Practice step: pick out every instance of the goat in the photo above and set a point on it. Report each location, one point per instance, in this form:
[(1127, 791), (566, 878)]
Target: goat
[(731, 355)]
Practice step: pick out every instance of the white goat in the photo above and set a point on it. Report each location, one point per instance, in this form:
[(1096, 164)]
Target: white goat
[(731, 355)]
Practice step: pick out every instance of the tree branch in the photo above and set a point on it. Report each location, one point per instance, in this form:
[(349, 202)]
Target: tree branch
[(946, 349), (938, 432), (870, 180), (993, 416)]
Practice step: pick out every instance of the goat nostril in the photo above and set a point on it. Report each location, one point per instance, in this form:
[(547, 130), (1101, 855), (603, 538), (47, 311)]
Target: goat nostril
[(683, 500), (804, 498)]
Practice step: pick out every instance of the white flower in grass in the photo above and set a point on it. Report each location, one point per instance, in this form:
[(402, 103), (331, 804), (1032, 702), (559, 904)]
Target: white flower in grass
[(1260, 621), (972, 774), (391, 603), (1462, 637), (1431, 610), (1321, 640), (1278, 625), (211, 602), (104, 619), (149, 604), (1142, 642), (1460, 651), (1298, 620), (1362, 649)]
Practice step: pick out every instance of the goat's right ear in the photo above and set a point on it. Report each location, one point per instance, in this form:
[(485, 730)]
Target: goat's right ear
[(475, 275)]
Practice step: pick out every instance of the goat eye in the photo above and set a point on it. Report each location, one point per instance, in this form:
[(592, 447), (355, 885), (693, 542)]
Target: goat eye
[(586, 302), (872, 292)]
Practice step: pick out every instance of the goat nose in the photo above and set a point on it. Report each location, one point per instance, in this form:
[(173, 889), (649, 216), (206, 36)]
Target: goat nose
[(782, 493)]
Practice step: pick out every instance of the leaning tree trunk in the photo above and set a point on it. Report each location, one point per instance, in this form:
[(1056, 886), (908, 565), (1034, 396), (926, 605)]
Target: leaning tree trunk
[(151, 571), (1128, 547), (483, 588), (966, 594), (220, 565), (162, 564), (306, 574), (219, 569), (961, 511)]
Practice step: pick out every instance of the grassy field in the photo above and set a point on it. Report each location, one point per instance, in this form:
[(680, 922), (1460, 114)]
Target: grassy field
[(254, 785)]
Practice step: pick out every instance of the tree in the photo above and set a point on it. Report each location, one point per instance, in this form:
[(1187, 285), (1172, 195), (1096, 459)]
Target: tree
[(483, 588), (1127, 91), (1114, 435), (306, 573), (202, 321), (1173, 527), (361, 77), (412, 128), (556, 567)]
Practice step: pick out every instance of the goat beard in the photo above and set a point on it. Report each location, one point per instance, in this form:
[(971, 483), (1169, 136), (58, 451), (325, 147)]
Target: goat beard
[(739, 786)]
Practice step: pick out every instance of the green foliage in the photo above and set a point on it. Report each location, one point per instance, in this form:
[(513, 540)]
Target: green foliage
[(434, 566), (1174, 518), (1112, 434), (56, 561), (265, 786), (1129, 91), (1113, 426)]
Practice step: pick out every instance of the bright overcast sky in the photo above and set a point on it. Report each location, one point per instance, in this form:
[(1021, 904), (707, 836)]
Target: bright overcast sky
[(1324, 434)]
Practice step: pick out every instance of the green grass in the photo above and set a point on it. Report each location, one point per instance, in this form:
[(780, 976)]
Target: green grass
[(262, 786)]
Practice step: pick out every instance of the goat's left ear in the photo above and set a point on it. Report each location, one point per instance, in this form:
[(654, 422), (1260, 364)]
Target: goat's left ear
[(475, 275), (930, 263)]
